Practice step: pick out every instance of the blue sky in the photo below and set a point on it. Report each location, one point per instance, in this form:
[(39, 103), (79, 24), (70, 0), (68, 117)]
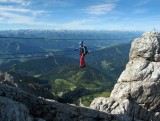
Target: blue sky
[(80, 14)]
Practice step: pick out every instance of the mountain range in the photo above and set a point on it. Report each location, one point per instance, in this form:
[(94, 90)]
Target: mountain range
[(59, 40), (135, 96), (49, 56)]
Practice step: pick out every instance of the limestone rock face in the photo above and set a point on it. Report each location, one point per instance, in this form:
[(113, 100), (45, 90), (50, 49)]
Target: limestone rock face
[(18, 105), (148, 47), (137, 91)]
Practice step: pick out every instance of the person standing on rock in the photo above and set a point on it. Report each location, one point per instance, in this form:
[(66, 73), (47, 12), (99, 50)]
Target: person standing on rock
[(83, 51)]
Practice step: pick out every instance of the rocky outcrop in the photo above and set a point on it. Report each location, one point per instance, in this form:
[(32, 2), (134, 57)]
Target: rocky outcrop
[(14, 111), (26, 83), (19, 101), (18, 105), (137, 91)]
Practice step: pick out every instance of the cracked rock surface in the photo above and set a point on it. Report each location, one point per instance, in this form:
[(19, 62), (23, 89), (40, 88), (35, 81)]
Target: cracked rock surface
[(19, 105), (137, 91)]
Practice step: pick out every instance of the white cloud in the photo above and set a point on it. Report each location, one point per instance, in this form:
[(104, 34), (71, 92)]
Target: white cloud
[(53, 3), (22, 2), (77, 24), (111, 1), (19, 15), (100, 9), (7, 17), (12, 18), (142, 2), (20, 10), (140, 11)]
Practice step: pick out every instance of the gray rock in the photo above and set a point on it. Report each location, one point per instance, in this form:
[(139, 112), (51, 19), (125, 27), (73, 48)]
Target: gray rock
[(137, 92), (28, 84), (147, 47), (13, 111), (29, 107)]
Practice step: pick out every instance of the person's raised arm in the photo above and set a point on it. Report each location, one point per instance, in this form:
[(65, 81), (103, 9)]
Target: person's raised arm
[(77, 49)]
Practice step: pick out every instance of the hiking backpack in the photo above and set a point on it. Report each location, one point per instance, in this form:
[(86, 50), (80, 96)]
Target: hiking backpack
[(86, 48)]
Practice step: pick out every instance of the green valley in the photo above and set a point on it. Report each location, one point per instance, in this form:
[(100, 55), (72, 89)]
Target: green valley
[(111, 60), (62, 76), (72, 83)]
